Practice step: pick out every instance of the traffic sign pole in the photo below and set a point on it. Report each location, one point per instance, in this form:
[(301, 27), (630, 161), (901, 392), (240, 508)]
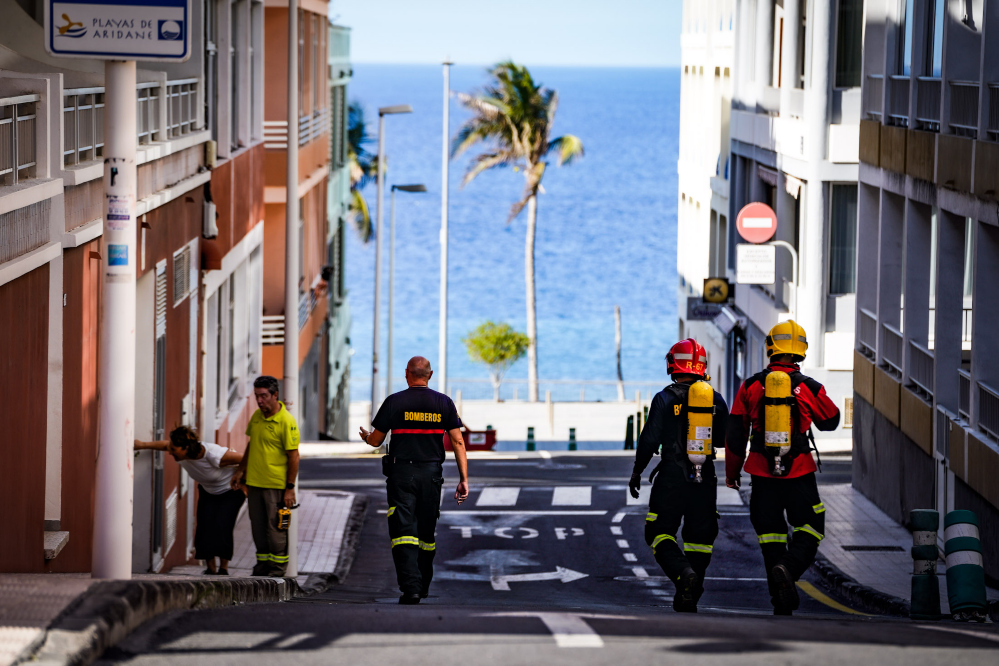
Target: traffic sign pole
[(112, 556), (794, 274)]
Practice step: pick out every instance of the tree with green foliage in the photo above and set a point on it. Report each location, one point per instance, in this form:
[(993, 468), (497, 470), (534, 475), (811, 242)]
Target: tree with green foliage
[(513, 117), (498, 346), (363, 168)]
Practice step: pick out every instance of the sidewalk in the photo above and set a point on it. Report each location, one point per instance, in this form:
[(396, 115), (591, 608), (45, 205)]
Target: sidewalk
[(33, 605), (864, 544)]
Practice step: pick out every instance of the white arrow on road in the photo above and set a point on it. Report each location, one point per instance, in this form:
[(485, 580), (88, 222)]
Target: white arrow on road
[(502, 583)]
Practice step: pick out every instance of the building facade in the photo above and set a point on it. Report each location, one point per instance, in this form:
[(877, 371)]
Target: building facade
[(926, 373), (792, 144), (199, 288)]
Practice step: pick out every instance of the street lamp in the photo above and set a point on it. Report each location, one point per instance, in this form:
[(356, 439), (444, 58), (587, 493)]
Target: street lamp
[(382, 112), (388, 360)]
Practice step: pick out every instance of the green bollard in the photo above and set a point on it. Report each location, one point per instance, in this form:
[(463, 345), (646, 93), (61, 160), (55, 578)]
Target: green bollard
[(530, 438), (572, 439), (629, 434), (925, 588), (965, 573), (645, 414)]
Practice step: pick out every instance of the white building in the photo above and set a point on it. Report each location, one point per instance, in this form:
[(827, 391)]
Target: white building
[(793, 134)]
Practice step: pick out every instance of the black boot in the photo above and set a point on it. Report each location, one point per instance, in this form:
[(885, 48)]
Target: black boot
[(783, 590), (688, 590), (410, 599)]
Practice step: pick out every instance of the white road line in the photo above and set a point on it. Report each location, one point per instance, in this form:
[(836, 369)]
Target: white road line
[(644, 493), (286, 643), (963, 632), (729, 497), (571, 631), (572, 496), (621, 543), (547, 455), (498, 496), (514, 512), (640, 572), (630, 557), (617, 531), (618, 517)]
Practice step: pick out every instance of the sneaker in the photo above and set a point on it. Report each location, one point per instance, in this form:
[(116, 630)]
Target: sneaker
[(785, 592), (688, 591), (410, 599)]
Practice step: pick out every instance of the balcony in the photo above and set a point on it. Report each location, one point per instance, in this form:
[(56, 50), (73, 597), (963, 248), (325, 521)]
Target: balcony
[(873, 95), (309, 129), (964, 393), (993, 126), (898, 100), (892, 350), (867, 328), (988, 410), (928, 103), (17, 138), (272, 326), (921, 367), (964, 108), (182, 107)]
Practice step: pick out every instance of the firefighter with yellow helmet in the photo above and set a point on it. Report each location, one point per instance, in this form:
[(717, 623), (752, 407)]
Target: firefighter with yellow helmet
[(685, 421), (774, 410)]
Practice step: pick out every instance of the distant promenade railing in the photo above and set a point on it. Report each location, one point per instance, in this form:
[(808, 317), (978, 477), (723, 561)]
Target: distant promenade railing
[(562, 390)]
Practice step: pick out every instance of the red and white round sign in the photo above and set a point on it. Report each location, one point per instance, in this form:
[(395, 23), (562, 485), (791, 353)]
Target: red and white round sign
[(757, 222)]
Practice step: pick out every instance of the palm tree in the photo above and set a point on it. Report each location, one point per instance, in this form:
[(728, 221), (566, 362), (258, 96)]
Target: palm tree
[(363, 168), (513, 116)]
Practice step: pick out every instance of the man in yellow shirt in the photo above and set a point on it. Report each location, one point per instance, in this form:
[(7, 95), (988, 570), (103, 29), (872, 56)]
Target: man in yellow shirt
[(269, 469)]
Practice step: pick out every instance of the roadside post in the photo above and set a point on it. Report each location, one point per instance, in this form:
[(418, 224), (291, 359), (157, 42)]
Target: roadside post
[(530, 438), (756, 259), (629, 434), (118, 33), (925, 588), (572, 439), (965, 571)]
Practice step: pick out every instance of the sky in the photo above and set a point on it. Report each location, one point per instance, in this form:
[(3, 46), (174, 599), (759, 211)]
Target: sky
[(625, 33)]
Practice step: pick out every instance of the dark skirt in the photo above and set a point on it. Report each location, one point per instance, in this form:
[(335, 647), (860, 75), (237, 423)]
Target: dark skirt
[(216, 519)]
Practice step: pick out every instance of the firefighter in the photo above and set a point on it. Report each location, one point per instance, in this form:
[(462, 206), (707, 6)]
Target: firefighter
[(418, 418), (774, 410), (684, 419)]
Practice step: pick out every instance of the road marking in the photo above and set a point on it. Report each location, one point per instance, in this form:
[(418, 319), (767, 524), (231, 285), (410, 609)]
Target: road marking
[(963, 632), (561, 533), (502, 583), (617, 531), (630, 557), (466, 532), (547, 455), (500, 512), (640, 572), (501, 532), (729, 497), (286, 643), (621, 543), (498, 496), (814, 593), (572, 496), (644, 493), (618, 517), (571, 631)]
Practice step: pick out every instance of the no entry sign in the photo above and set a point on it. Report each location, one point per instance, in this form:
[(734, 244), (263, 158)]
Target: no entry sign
[(757, 222)]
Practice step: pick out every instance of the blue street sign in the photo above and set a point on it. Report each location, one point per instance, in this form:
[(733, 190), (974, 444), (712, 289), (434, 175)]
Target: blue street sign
[(119, 29)]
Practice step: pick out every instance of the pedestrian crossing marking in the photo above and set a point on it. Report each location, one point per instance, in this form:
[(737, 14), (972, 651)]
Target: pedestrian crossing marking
[(498, 496), (644, 494), (572, 496), (630, 557), (621, 543)]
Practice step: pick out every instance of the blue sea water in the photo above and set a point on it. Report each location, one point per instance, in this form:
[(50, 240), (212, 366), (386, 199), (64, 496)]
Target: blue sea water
[(606, 232)]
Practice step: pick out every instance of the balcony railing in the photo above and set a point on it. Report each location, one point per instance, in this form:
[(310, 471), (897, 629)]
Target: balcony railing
[(898, 100), (272, 330), (17, 138), (873, 95), (83, 125), (921, 366), (964, 393), (993, 126), (891, 352), (867, 326), (928, 102), (312, 127), (964, 107), (147, 110), (182, 107), (988, 410)]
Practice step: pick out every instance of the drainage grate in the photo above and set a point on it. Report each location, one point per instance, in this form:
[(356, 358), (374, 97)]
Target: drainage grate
[(880, 549)]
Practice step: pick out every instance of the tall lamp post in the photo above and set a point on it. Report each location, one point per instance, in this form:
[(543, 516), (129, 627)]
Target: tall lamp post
[(382, 112), (442, 335), (388, 360)]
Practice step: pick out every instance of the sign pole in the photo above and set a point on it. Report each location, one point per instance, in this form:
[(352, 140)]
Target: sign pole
[(112, 556), (292, 271), (794, 274), (445, 163)]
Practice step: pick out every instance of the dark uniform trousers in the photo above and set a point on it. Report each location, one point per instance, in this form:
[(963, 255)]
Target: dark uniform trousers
[(799, 498), (414, 499), (674, 499)]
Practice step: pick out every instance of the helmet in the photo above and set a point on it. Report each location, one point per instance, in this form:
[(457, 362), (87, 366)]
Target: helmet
[(687, 357), (787, 337)]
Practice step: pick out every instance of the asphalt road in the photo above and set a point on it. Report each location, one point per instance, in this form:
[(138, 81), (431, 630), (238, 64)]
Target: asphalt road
[(546, 561)]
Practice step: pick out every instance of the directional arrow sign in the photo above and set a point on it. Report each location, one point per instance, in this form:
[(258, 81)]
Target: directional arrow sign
[(502, 583)]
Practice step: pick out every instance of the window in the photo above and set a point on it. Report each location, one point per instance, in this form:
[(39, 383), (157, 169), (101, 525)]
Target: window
[(233, 384), (969, 256), (906, 20), (314, 63), (181, 275), (234, 72), (849, 40), (934, 38), (211, 68), (843, 240)]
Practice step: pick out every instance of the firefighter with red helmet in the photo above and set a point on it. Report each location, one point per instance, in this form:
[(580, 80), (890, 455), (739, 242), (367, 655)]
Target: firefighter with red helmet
[(774, 410), (684, 419)]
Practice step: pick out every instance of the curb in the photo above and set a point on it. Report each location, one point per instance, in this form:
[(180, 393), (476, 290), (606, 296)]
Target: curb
[(109, 611), (867, 598)]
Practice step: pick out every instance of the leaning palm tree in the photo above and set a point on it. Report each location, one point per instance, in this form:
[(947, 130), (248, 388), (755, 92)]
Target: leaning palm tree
[(513, 117), (363, 168)]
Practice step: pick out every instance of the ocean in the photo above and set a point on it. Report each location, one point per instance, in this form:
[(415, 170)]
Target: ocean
[(606, 234)]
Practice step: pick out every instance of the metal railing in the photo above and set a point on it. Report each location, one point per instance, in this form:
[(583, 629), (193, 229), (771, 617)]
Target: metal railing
[(928, 101), (17, 138), (147, 111), (921, 366), (182, 107), (516, 389), (24, 229), (873, 95), (898, 99), (867, 328), (82, 125), (993, 126), (272, 329), (312, 127), (942, 426), (964, 106), (988, 410), (892, 349), (964, 393)]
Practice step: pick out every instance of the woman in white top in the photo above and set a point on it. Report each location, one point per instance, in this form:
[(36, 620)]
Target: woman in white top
[(212, 466)]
